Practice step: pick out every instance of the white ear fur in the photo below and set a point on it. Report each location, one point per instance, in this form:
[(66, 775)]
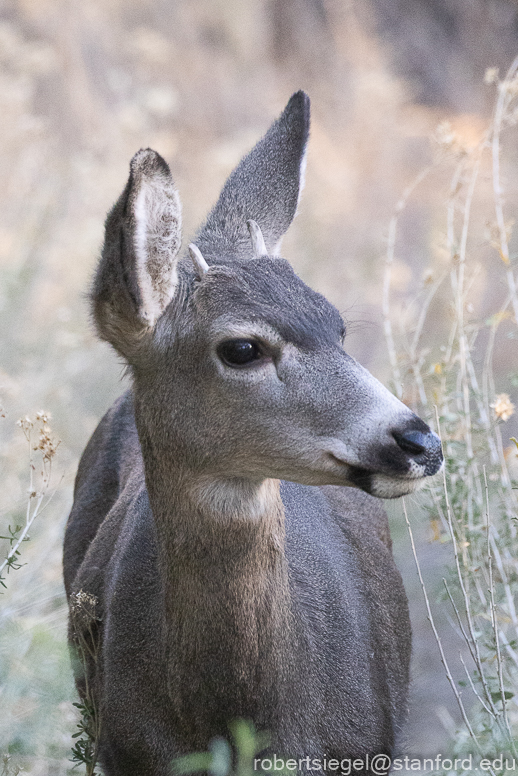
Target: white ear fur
[(200, 265), (258, 243), (302, 174), (157, 214), (276, 250)]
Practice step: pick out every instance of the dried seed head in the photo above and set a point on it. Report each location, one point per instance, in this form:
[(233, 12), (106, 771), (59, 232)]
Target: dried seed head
[(491, 75), (25, 424), (83, 609), (503, 406), (46, 443), (448, 140)]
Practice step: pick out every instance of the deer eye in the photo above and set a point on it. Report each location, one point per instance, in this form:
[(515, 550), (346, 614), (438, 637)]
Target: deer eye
[(239, 352)]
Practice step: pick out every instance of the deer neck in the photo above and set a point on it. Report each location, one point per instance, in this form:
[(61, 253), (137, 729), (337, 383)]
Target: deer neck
[(227, 608)]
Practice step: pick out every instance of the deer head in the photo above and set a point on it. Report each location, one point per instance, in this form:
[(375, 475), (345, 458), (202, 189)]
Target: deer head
[(238, 366)]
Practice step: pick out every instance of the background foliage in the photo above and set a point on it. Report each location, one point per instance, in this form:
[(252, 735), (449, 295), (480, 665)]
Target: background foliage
[(82, 87)]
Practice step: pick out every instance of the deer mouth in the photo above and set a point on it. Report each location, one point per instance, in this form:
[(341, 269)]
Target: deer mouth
[(387, 486), (404, 480)]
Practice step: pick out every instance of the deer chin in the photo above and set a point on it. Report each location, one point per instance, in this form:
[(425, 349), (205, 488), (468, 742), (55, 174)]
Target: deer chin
[(382, 485), (388, 486)]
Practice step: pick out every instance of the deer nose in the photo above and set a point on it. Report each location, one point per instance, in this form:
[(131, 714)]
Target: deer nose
[(423, 446)]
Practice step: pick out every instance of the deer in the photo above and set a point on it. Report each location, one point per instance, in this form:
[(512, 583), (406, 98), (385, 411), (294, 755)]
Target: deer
[(227, 521)]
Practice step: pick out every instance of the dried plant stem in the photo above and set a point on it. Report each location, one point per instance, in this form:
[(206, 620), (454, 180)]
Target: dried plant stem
[(387, 275), (424, 311), (459, 308), (510, 651), (494, 622), (505, 582), (500, 110), (494, 435), (30, 517), (438, 638), (84, 618), (31, 512), (467, 606), (455, 186), (460, 623), (96, 718), (416, 360), (438, 506), (470, 680), (482, 593)]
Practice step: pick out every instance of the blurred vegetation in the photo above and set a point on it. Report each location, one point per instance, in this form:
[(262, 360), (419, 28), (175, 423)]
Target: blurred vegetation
[(446, 368), (82, 87)]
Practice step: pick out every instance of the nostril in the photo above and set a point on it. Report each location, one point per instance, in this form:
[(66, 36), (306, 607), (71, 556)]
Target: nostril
[(421, 446), (414, 442)]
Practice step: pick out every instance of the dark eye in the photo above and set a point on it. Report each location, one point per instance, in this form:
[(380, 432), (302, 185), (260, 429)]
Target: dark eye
[(239, 352)]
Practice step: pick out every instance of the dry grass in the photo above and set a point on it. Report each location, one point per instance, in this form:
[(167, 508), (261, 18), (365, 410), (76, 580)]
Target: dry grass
[(82, 87), (453, 378)]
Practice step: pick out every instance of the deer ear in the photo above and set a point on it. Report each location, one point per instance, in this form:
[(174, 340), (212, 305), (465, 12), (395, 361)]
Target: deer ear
[(137, 276), (265, 187)]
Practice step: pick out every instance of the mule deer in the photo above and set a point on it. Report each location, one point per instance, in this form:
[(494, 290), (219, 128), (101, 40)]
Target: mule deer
[(235, 576)]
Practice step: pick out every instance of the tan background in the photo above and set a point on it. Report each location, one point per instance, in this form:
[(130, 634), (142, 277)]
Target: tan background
[(83, 85)]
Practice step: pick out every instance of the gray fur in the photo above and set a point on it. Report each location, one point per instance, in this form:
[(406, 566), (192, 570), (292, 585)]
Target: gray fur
[(235, 574), (265, 187)]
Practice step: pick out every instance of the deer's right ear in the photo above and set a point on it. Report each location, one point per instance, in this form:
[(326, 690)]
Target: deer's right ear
[(265, 187), (137, 277)]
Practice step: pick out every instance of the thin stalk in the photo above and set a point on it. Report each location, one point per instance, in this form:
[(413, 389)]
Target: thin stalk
[(459, 306), (494, 623), (438, 638), (467, 606), (459, 620), (505, 582), (29, 515), (500, 110), (387, 275), (470, 680), (416, 364), (508, 648)]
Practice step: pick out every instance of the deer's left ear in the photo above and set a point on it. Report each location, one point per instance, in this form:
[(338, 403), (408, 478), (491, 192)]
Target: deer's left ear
[(137, 277)]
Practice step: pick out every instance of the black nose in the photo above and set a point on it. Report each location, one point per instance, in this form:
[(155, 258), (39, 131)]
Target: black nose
[(413, 442), (423, 446)]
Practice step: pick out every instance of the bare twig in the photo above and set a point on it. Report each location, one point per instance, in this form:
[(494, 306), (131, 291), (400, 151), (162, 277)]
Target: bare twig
[(494, 623), (470, 680), (459, 620), (30, 517), (467, 605), (438, 638), (459, 306), (32, 510), (502, 103), (415, 362), (389, 262)]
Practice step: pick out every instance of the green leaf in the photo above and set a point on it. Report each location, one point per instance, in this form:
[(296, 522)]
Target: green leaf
[(192, 763), (497, 695)]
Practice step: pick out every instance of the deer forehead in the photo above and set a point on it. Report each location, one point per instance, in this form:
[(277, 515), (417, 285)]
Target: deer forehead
[(265, 296)]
